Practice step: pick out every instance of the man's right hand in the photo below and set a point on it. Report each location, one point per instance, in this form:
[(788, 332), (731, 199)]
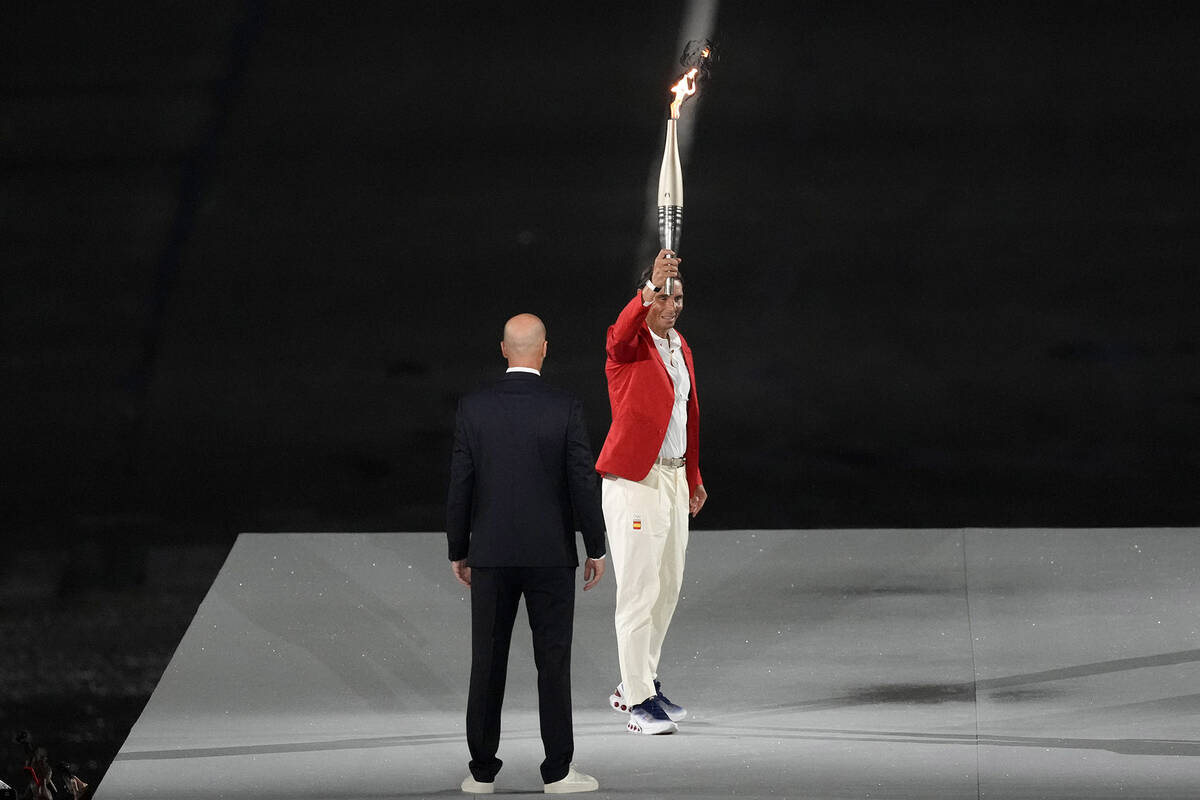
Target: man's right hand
[(462, 573), (593, 571), (666, 265)]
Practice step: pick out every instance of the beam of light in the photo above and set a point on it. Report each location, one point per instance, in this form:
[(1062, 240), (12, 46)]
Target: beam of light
[(698, 23)]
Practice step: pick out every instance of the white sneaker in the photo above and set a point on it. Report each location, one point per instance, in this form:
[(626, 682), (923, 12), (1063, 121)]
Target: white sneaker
[(575, 781), (473, 786), (648, 717), (617, 700)]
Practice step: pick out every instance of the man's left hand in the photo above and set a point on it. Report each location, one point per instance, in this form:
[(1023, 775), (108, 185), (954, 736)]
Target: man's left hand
[(593, 571), (697, 501)]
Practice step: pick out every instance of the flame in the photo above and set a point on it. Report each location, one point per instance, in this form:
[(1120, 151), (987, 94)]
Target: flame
[(686, 87)]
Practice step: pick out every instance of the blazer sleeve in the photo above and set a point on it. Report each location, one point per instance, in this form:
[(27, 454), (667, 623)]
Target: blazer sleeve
[(583, 483), (622, 344), (692, 468), (461, 492)]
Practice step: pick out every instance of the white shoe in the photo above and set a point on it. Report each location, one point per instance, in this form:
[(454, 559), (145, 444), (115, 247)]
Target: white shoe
[(648, 717), (617, 700), (575, 781), (473, 786)]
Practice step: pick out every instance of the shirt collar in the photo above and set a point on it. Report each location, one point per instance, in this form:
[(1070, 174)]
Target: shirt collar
[(672, 338), (530, 370)]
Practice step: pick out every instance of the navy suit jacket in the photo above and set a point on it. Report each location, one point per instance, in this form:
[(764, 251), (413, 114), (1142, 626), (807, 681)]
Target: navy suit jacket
[(521, 475)]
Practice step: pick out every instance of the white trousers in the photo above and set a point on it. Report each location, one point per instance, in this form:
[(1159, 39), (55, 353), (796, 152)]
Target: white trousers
[(647, 524)]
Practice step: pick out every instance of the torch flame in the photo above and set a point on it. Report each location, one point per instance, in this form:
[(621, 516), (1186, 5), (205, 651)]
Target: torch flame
[(686, 87)]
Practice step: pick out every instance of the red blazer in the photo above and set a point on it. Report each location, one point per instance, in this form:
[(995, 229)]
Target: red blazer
[(641, 395)]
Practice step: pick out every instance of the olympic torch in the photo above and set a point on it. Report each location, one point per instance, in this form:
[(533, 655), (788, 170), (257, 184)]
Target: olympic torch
[(670, 175)]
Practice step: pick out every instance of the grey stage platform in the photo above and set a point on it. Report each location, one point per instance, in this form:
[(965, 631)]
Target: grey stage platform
[(817, 664)]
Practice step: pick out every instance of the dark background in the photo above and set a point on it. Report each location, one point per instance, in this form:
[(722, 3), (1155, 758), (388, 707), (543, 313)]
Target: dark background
[(941, 271)]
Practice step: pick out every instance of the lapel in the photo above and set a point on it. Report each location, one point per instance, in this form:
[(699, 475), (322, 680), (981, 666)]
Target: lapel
[(687, 360), (655, 356)]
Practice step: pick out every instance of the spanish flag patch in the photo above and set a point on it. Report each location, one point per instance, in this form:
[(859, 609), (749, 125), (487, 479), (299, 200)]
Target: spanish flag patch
[(637, 523)]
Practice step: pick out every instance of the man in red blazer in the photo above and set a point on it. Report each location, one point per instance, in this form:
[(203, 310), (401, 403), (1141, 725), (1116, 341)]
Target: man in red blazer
[(651, 468)]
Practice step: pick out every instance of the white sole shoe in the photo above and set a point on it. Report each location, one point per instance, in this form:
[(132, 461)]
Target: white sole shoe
[(473, 786), (575, 781), (616, 701)]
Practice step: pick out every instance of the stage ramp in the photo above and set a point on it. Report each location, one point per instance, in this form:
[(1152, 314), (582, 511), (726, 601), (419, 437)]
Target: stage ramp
[(816, 664)]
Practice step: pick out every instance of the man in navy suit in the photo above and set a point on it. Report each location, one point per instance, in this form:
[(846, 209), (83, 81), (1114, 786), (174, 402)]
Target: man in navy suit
[(520, 476)]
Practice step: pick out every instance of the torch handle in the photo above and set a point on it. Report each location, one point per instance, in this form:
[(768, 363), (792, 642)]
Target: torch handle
[(670, 229)]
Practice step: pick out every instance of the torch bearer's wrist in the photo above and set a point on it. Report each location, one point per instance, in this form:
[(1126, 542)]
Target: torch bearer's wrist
[(649, 292)]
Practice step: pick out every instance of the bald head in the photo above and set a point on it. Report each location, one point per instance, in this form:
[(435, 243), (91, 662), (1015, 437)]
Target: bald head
[(524, 343)]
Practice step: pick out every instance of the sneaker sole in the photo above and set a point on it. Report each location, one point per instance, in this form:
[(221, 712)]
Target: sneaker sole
[(478, 787), (573, 788), (651, 729)]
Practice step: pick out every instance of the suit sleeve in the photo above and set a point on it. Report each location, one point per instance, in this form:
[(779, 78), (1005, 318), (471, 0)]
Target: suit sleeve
[(623, 334), (462, 490), (583, 484)]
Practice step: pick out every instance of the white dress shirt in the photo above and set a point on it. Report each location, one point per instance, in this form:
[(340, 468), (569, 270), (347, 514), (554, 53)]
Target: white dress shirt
[(669, 348)]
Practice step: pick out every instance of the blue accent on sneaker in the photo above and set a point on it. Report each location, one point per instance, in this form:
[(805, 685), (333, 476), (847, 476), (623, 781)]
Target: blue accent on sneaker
[(675, 712)]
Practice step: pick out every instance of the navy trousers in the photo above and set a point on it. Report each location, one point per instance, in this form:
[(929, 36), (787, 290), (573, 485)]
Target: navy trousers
[(550, 603)]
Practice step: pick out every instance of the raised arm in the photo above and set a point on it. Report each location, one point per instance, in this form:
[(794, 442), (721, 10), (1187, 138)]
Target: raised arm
[(622, 336)]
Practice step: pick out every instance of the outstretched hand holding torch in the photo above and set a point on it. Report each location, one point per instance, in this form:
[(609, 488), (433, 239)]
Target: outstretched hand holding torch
[(665, 270)]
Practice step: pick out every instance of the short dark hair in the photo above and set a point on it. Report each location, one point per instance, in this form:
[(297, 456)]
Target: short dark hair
[(645, 274)]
